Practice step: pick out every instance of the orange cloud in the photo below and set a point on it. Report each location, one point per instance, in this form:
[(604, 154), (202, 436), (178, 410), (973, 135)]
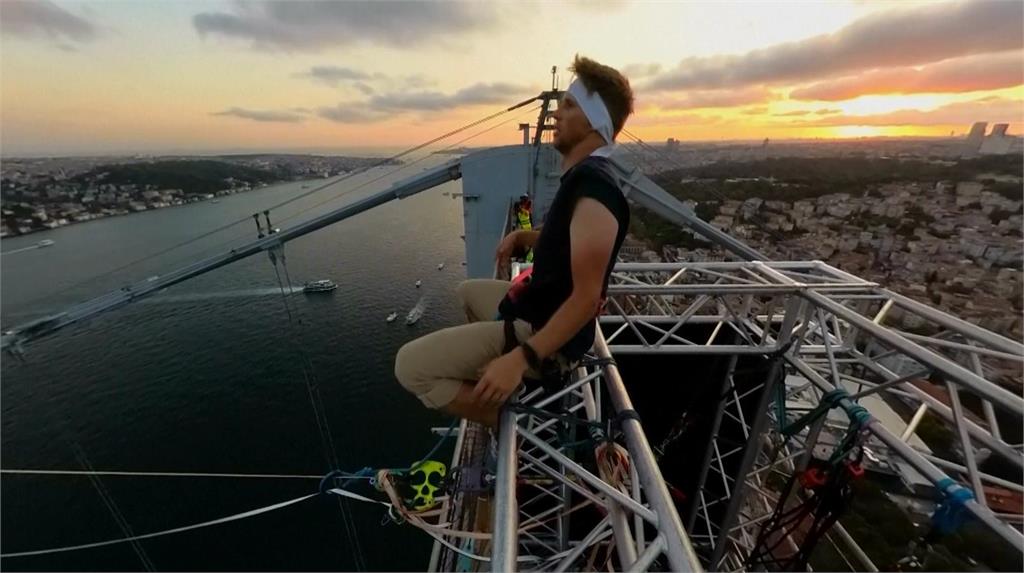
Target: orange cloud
[(985, 72), (911, 36), (714, 99), (993, 110)]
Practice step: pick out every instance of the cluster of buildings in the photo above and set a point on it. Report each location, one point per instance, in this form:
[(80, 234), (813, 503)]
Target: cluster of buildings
[(46, 193), (675, 154), (954, 246), (63, 204)]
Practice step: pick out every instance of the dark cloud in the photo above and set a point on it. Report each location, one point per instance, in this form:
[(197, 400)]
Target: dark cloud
[(998, 110), (640, 70), (354, 112), (796, 113), (363, 82), (904, 36), (715, 98), (417, 81), (281, 116), (44, 19), (984, 72), (332, 75), (312, 25), (435, 101), (364, 88), (827, 111), (385, 106)]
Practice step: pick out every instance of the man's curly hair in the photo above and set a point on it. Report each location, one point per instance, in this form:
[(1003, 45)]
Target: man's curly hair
[(612, 86)]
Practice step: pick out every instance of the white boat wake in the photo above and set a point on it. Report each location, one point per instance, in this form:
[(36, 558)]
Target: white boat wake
[(196, 297)]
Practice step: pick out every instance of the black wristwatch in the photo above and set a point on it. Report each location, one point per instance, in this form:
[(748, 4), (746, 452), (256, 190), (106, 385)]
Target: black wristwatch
[(531, 356)]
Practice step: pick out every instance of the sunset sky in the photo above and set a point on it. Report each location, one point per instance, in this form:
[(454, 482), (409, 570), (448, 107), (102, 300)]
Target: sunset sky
[(152, 77)]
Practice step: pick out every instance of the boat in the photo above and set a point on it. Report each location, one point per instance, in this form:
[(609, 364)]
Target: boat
[(215, 201), (323, 285), (391, 317), (419, 283), (414, 315), (44, 243), (440, 266)]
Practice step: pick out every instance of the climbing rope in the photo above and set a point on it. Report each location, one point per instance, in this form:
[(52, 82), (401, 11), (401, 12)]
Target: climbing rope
[(826, 483), (134, 538)]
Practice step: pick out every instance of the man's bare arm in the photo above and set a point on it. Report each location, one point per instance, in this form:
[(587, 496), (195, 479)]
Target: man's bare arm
[(527, 239), (516, 240), (592, 235)]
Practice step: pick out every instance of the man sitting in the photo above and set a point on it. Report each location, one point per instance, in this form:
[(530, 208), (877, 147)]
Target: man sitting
[(465, 370)]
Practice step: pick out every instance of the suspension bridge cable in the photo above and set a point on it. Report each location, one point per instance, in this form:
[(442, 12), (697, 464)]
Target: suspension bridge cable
[(226, 226), (313, 387), (348, 192), (115, 511), (314, 393), (374, 180), (319, 413)]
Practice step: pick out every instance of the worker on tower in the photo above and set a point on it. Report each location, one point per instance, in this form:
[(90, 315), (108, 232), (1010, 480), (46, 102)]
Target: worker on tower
[(524, 219)]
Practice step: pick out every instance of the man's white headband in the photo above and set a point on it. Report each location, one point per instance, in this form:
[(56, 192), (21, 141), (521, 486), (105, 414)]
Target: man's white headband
[(593, 107)]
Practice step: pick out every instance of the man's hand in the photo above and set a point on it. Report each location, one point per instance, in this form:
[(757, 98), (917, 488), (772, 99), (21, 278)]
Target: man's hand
[(500, 378), (506, 248)]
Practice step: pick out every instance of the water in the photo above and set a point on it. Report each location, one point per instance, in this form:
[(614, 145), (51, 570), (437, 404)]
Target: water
[(208, 377)]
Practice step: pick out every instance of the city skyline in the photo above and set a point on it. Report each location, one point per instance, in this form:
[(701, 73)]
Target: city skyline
[(106, 77)]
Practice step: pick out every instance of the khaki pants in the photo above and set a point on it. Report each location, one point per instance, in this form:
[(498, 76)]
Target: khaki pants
[(434, 366)]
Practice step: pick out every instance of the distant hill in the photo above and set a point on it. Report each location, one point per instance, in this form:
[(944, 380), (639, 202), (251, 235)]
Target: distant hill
[(812, 177), (197, 176)]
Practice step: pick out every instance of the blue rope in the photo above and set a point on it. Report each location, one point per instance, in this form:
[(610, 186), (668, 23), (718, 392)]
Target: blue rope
[(951, 512), (832, 399), (325, 482), (858, 415)]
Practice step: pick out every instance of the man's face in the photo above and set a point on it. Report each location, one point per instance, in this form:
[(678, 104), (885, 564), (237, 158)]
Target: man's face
[(571, 125)]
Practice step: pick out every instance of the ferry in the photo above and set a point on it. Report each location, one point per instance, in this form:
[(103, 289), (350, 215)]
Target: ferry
[(324, 285), (414, 315), (44, 243)]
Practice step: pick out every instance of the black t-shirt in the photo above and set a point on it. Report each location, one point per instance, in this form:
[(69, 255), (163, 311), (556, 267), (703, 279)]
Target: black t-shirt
[(551, 282)]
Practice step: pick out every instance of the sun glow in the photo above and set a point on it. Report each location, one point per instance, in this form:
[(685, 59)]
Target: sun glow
[(871, 105), (857, 131)]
